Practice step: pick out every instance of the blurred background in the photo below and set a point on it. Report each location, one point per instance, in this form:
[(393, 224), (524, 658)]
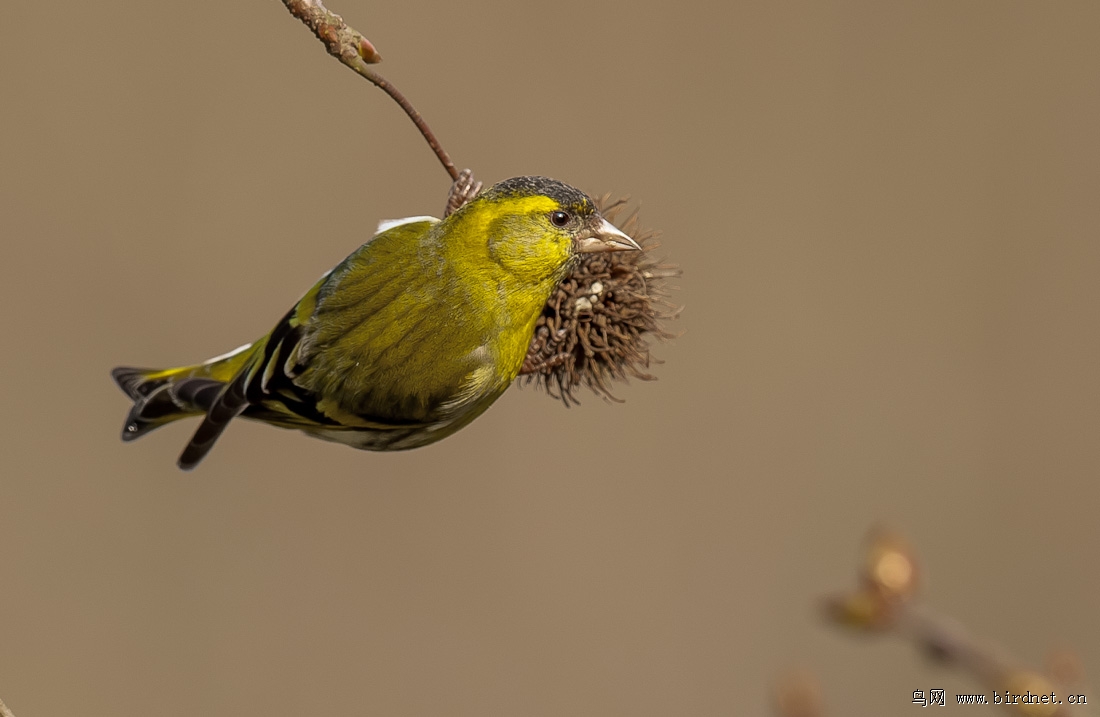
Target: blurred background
[(886, 215)]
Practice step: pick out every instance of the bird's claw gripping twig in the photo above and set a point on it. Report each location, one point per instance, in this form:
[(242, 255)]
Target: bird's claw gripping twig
[(464, 188)]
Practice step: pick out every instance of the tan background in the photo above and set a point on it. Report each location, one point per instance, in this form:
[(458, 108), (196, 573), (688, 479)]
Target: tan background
[(887, 217)]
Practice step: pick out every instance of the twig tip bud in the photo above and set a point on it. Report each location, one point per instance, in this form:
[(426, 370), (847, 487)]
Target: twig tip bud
[(368, 52)]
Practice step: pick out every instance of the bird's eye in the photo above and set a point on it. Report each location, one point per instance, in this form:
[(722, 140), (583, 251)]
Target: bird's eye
[(559, 219)]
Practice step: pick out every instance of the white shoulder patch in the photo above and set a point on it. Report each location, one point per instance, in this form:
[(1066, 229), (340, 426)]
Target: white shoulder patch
[(387, 224)]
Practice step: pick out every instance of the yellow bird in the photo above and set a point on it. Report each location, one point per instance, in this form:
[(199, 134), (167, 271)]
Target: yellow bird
[(406, 341)]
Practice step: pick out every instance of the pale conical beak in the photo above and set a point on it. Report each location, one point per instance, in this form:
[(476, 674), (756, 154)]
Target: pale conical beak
[(606, 237)]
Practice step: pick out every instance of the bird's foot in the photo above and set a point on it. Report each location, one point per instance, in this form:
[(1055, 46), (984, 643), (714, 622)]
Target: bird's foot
[(463, 190)]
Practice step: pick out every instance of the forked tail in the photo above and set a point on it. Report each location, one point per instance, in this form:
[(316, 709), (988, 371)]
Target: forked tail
[(163, 396)]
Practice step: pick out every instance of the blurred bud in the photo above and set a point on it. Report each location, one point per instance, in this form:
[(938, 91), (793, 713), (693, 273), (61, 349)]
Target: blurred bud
[(1064, 667), (866, 610), (798, 694), (1034, 687), (889, 566)]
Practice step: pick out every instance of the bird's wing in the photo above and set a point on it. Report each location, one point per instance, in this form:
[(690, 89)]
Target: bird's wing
[(265, 387)]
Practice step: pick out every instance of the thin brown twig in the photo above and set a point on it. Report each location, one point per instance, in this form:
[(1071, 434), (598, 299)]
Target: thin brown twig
[(885, 603), (354, 50)]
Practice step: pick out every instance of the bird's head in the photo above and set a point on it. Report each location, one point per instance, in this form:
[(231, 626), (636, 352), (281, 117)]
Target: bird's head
[(534, 226)]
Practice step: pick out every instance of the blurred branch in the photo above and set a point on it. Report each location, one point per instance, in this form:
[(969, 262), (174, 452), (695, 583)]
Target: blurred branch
[(948, 641), (884, 603), (350, 47), (4, 711)]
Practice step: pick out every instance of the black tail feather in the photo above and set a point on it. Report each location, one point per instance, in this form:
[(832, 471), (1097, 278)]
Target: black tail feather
[(163, 400), (134, 383), (228, 404)]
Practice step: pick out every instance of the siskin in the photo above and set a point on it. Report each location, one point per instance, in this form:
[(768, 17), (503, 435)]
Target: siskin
[(406, 341)]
